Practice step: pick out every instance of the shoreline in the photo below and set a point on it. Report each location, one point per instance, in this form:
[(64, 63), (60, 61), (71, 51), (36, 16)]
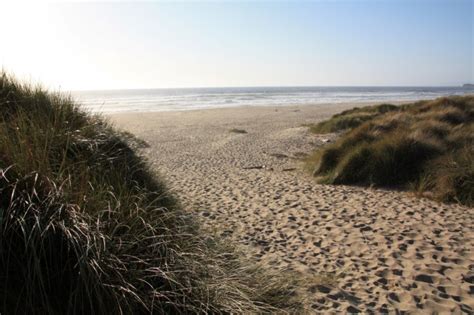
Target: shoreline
[(250, 107), (323, 107)]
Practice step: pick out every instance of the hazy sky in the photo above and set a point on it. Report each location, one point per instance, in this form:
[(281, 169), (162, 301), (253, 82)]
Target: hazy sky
[(148, 45)]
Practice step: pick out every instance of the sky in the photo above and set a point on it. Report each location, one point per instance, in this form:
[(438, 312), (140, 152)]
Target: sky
[(84, 46)]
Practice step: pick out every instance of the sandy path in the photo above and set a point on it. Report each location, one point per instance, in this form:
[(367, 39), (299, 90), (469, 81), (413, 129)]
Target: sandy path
[(375, 250)]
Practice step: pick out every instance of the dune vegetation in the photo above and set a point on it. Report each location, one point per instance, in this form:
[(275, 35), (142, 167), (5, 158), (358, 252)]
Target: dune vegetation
[(87, 228), (236, 130), (426, 146), (351, 118)]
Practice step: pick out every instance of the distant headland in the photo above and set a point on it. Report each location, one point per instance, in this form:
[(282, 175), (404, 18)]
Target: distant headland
[(468, 85)]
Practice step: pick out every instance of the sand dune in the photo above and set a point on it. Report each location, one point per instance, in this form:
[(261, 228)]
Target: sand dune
[(358, 249)]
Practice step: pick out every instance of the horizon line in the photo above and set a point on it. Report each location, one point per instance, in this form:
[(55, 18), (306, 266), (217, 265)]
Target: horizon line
[(269, 86)]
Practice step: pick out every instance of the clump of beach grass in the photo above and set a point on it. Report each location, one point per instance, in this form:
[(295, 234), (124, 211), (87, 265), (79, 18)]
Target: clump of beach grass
[(87, 228), (427, 145), (351, 118), (236, 130)]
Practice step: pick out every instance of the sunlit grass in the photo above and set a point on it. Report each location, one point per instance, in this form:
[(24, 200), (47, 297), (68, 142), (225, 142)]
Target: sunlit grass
[(427, 146), (351, 118)]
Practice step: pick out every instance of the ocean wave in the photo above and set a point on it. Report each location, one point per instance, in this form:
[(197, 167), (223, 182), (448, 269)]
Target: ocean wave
[(190, 99)]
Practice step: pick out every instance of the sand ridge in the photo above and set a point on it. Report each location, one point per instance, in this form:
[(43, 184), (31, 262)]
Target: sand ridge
[(359, 249)]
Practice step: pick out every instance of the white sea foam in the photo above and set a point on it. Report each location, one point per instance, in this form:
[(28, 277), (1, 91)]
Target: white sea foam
[(202, 98)]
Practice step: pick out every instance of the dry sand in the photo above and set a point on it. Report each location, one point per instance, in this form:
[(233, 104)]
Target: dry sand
[(357, 248)]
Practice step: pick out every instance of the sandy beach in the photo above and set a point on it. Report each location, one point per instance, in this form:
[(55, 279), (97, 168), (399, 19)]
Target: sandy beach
[(358, 249)]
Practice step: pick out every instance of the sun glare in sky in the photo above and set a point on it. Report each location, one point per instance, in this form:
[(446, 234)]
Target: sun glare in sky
[(153, 45)]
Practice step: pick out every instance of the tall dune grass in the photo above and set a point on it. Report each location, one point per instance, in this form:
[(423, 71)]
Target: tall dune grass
[(427, 145), (351, 118), (87, 228)]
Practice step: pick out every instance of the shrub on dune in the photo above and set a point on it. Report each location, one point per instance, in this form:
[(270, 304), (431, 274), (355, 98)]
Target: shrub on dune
[(87, 228), (451, 177), (387, 162), (428, 141), (351, 118)]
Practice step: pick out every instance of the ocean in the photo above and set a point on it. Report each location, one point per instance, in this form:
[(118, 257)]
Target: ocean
[(148, 100)]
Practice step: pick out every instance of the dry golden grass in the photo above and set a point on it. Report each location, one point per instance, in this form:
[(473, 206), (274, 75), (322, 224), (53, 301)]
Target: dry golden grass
[(87, 228), (429, 142), (351, 118)]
